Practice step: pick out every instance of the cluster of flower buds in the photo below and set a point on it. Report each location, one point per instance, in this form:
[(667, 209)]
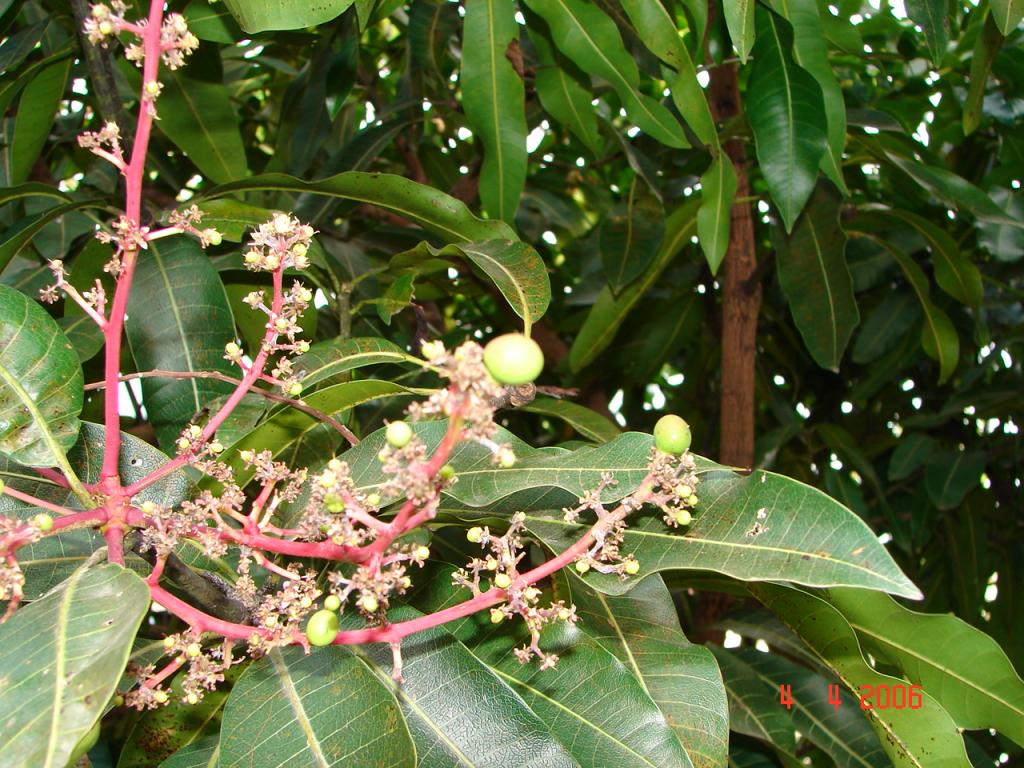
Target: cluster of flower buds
[(93, 302), (335, 511), (281, 243), (105, 143), (14, 534), (128, 237), (500, 567), (187, 220), (105, 21)]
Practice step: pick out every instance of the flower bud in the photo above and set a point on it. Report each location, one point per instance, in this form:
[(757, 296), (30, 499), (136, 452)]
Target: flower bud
[(475, 534), (295, 389), (282, 224), (422, 552), (497, 615), (582, 566), (632, 567), (369, 603), (502, 581)]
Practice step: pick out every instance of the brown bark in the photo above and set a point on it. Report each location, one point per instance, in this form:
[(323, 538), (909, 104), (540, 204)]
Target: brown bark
[(741, 291)]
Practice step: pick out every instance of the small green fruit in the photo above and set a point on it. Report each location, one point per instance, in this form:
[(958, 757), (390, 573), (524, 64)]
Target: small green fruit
[(502, 581), (672, 434), (213, 237), (322, 628), (421, 552), (447, 472), (43, 522), (192, 650), (506, 458), (398, 434), (332, 602), (632, 567), (373, 500), (683, 517), (334, 503), (475, 534), (295, 389), (497, 615), (582, 566), (369, 603), (513, 359)]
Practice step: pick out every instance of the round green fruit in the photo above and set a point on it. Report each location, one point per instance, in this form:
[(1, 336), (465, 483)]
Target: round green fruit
[(632, 567), (475, 534), (513, 359), (43, 522), (672, 434), (398, 434), (322, 627), (332, 602), (502, 581)]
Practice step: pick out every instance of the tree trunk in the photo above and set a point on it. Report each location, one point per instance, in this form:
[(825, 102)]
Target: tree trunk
[(741, 291)]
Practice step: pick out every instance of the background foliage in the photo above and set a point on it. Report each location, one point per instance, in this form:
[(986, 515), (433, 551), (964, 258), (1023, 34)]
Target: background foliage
[(875, 149)]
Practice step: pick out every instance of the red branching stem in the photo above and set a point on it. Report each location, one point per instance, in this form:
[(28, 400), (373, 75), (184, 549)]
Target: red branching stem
[(232, 402), (113, 533), (172, 666), (53, 476), (32, 500), (133, 175)]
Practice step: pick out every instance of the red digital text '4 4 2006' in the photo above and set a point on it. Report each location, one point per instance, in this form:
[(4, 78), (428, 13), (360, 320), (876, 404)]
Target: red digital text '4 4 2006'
[(871, 696)]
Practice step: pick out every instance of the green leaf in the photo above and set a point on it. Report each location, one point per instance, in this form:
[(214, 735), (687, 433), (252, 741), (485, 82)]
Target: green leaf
[(810, 50), (841, 731), (459, 711), (331, 358), (609, 312), (739, 18), (514, 267), (52, 559), (1007, 14), (178, 320), (642, 630), (985, 49), (199, 118), (1004, 242), (18, 237), (911, 452), (588, 423), (938, 336), (267, 15), (954, 273), (933, 17), (754, 708), (787, 115), (592, 703), (41, 384), (326, 709), (923, 738), (20, 44), (659, 33), (213, 24), (759, 526), (630, 235), (885, 326), (435, 211), (397, 297), (565, 98), (37, 110), (961, 666), (714, 216), (951, 475), (816, 280), (202, 753), (493, 97), (62, 657), (588, 37)]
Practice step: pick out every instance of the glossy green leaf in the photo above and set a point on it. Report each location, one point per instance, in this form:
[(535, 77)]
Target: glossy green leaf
[(787, 115), (816, 280), (592, 703), (642, 631), (433, 210), (630, 235), (62, 657), (323, 710), (951, 475), (1004, 242), (924, 738), (959, 665), (396, 297), (841, 731), (658, 31), (954, 273), (759, 526), (20, 44), (933, 17), (459, 711), (52, 559), (200, 119), (565, 98), (333, 357), (1007, 14), (211, 22), (37, 110), (41, 384), (178, 320), (17, 238), (588, 423), (989, 41), (739, 18), (267, 15), (514, 267), (810, 50), (610, 311), (493, 98), (754, 708), (718, 185), (592, 41)]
